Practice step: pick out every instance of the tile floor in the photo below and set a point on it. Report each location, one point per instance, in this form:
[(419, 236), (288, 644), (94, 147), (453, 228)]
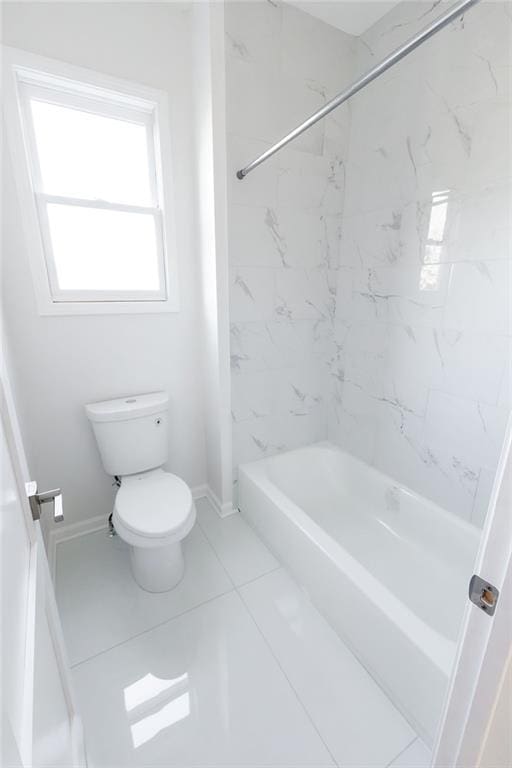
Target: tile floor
[(235, 668)]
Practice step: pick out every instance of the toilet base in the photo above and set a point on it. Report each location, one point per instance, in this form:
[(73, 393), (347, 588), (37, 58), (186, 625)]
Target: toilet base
[(157, 569)]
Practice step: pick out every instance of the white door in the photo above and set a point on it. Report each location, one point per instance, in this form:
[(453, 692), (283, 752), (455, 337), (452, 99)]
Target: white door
[(486, 642), (40, 725)]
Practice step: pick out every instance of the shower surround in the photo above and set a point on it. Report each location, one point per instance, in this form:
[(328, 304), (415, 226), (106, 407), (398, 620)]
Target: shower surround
[(421, 362), (284, 222), (393, 343)]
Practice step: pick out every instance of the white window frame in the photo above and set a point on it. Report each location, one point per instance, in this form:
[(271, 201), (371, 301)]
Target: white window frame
[(27, 74)]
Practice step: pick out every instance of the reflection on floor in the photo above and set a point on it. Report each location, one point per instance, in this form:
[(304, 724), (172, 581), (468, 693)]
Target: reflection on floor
[(234, 667)]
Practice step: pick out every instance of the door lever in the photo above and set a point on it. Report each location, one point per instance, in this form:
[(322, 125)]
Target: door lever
[(37, 499)]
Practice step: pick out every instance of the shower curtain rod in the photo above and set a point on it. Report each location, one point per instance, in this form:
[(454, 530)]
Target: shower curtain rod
[(372, 74)]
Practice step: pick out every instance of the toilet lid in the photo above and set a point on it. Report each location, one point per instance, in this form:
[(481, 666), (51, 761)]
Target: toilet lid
[(154, 505)]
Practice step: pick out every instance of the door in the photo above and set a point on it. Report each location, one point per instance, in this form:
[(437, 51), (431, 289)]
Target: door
[(486, 641), (40, 724)]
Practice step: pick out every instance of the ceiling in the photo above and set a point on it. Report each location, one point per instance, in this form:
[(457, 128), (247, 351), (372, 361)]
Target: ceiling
[(352, 16)]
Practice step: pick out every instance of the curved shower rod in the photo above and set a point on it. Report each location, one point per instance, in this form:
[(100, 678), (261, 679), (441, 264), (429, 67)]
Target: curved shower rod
[(394, 57)]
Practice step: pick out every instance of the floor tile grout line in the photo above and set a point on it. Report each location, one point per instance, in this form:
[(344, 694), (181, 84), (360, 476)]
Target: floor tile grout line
[(221, 561), (216, 554), (260, 632), (261, 576), (155, 626), (181, 613), (416, 738), (292, 687), (237, 588)]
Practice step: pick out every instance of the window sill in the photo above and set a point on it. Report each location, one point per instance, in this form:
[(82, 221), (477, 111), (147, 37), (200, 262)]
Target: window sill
[(57, 308)]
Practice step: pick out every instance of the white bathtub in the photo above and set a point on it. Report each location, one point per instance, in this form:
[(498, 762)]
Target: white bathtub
[(386, 567)]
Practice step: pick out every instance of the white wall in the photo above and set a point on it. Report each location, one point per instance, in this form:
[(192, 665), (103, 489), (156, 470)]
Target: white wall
[(210, 169), (63, 362), (421, 365)]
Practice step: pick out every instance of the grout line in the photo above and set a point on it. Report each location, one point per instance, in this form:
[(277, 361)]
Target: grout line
[(219, 558), (155, 626), (292, 687), (261, 576), (389, 765), (182, 613), (215, 551), (237, 589), (246, 608)]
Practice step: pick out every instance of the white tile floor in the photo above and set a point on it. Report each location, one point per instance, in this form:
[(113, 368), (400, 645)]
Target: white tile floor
[(235, 668)]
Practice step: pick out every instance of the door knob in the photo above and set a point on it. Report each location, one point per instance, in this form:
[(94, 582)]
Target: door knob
[(36, 500)]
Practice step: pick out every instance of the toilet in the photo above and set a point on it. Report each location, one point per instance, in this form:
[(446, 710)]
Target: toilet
[(153, 509)]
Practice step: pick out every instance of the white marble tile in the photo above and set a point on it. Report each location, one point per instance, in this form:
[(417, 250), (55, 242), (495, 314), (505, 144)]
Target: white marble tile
[(252, 293), (479, 296), (257, 237), (298, 390), (299, 97), (254, 347), (312, 656), (314, 50), (413, 175), (417, 755), (302, 294), (240, 550), (276, 344), (407, 294), (337, 132), (487, 209), (472, 431), (438, 473), (253, 100), (255, 439), (480, 509), (310, 183), (305, 237), (252, 32), (256, 394), (352, 422), (100, 603), (470, 363), (203, 689)]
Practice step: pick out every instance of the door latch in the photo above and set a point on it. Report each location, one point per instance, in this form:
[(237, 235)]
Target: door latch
[(36, 500), (483, 594)]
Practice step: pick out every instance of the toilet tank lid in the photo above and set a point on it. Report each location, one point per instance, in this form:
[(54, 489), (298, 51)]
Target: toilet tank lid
[(130, 407)]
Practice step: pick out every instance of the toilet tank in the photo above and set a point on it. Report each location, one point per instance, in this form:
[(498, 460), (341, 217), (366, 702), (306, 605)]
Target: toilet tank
[(131, 432)]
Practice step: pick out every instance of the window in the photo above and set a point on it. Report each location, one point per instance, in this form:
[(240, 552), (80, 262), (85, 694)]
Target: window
[(94, 166)]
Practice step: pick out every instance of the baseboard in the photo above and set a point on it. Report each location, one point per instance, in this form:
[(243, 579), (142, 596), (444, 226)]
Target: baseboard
[(204, 491), (71, 531), (223, 510), (200, 491)]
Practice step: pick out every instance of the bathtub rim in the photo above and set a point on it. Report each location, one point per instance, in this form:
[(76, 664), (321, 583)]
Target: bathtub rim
[(439, 648)]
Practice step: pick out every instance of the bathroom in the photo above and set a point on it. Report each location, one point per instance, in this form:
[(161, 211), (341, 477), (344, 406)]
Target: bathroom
[(266, 400)]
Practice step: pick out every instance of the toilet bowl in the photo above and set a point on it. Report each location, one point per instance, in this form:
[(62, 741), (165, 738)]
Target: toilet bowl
[(153, 509), (153, 512)]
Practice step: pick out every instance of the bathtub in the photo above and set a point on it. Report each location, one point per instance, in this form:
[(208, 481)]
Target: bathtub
[(387, 568)]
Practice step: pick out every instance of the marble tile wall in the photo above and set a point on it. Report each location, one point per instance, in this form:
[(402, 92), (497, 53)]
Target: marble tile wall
[(420, 362), (284, 221)]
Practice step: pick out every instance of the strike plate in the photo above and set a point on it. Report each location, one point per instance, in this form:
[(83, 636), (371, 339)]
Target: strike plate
[(483, 594)]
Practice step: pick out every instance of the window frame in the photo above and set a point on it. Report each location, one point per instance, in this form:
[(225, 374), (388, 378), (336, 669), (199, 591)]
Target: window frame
[(26, 75)]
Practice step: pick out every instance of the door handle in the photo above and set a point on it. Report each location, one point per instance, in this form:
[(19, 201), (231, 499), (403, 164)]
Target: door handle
[(36, 500)]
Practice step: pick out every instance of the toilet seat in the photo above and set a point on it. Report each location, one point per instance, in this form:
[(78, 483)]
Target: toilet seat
[(153, 509)]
